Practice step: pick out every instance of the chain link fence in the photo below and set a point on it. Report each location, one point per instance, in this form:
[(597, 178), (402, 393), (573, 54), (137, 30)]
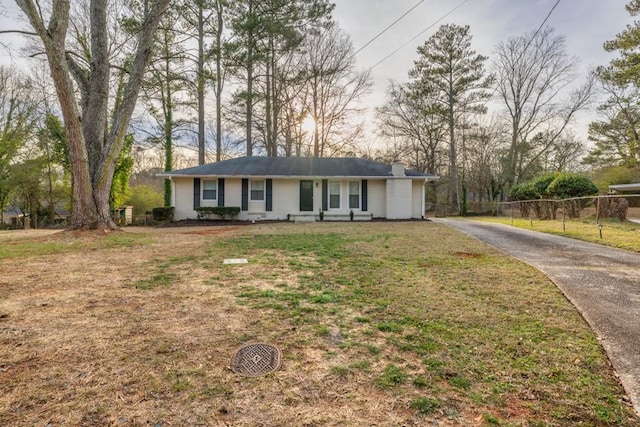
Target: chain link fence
[(618, 206), (596, 208)]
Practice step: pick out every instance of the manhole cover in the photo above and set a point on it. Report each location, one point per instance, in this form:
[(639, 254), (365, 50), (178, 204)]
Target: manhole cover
[(254, 360)]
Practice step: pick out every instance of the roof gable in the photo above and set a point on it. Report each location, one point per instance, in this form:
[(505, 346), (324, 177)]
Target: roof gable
[(294, 166)]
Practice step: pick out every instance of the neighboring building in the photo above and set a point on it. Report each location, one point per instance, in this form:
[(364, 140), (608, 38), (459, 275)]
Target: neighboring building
[(13, 216), (277, 188), (625, 188)]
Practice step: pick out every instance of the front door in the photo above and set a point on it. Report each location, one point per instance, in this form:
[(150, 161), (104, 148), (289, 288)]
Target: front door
[(306, 196)]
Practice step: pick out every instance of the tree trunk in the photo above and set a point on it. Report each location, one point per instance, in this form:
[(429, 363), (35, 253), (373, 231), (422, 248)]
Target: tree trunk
[(168, 131), (267, 102), (92, 175), (219, 7), (453, 165), (249, 106), (316, 134), (201, 146)]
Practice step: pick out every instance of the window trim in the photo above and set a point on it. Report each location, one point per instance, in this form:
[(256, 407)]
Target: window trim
[(339, 183), (204, 181), (263, 190), (359, 183)]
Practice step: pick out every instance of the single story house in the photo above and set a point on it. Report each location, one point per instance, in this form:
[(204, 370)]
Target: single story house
[(626, 188), (12, 215), (278, 188)]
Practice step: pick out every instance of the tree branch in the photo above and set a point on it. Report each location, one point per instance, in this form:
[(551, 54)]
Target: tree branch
[(26, 33)]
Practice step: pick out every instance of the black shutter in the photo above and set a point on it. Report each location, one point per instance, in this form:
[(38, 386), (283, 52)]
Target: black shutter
[(196, 193), (245, 194), (221, 192), (364, 196), (269, 195), (325, 194)]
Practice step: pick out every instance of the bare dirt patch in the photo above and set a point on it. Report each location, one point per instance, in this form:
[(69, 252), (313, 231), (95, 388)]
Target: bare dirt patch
[(467, 255)]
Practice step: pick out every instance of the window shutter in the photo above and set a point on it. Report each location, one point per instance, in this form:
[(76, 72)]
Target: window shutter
[(196, 193), (221, 192), (325, 194), (269, 195), (245, 194), (365, 206)]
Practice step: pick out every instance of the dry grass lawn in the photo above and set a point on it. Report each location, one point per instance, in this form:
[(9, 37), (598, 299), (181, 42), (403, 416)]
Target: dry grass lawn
[(385, 324)]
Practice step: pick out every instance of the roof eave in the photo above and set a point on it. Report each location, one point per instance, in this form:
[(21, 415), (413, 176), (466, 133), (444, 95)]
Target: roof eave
[(418, 177)]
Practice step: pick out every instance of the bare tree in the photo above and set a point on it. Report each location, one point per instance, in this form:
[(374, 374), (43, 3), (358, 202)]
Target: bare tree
[(534, 71), (205, 22), (334, 87), (484, 147), (94, 140), (422, 131)]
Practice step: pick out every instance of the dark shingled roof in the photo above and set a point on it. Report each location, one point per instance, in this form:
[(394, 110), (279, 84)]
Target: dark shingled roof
[(293, 166)]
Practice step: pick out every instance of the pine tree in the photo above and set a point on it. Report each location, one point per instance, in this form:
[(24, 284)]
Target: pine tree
[(450, 77)]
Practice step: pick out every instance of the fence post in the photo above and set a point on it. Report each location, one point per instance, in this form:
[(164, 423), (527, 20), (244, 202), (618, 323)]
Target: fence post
[(598, 213)]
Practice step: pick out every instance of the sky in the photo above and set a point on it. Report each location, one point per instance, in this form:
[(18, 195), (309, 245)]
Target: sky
[(586, 25)]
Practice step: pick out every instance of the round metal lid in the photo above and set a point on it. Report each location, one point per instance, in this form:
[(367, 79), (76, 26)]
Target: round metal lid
[(256, 359)]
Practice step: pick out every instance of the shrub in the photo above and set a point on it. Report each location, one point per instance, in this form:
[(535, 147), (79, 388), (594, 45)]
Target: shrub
[(164, 213), (553, 185), (541, 183), (522, 192), (143, 198), (570, 185), (222, 211), (567, 185)]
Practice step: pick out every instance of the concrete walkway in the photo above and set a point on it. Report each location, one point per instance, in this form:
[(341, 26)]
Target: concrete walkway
[(603, 283)]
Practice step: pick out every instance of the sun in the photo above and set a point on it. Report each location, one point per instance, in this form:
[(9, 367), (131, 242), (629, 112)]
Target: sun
[(308, 124)]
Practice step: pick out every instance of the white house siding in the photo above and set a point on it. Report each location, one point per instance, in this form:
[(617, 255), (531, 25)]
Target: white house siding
[(285, 198), (183, 198), (417, 209), (395, 198), (377, 197), (233, 192), (399, 198), (257, 208), (285, 201)]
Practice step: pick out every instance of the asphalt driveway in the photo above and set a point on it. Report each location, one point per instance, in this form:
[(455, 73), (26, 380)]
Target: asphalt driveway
[(603, 283)]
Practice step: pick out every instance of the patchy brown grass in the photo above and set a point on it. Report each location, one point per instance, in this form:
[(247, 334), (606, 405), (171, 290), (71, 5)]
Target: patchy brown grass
[(380, 324)]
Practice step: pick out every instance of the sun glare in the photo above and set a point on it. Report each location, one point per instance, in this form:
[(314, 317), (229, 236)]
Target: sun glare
[(308, 124)]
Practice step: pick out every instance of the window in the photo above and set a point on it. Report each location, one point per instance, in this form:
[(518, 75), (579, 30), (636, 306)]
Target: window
[(257, 190), (354, 194), (334, 194), (209, 190)]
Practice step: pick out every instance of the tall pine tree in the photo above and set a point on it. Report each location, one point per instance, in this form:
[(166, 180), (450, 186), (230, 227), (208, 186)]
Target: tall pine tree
[(449, 77)]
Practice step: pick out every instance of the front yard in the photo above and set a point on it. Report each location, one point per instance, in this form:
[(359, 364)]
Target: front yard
[(384, 323)]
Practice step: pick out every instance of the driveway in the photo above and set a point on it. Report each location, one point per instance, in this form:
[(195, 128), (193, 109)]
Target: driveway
[(603, 283)]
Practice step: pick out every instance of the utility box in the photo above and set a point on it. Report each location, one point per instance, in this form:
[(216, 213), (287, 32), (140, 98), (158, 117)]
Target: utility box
[(124, 215)]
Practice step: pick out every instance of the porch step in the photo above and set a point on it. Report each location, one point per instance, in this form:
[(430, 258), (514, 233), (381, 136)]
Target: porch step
[(303, 218)]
